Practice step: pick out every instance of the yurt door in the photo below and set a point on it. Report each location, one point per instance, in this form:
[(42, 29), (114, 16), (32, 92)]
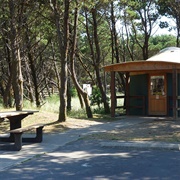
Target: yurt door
[(157, 95)]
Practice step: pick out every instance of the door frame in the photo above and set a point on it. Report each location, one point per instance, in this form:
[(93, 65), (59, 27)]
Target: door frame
[(162, 96)]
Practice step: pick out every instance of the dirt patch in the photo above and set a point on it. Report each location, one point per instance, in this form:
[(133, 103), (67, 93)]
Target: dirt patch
[(52, 125), (165, 131)]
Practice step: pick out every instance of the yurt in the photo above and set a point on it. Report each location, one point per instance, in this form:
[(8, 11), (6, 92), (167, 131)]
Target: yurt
[(152, 85)]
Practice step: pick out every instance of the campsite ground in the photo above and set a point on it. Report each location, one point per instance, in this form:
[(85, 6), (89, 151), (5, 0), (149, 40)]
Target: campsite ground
[(159, 129)]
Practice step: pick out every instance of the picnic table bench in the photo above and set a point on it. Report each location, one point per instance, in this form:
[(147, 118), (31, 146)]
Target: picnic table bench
[(16, 130)]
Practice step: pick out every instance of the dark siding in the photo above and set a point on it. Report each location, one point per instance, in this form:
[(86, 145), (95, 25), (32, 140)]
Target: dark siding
[(138, 87), (170, 94)]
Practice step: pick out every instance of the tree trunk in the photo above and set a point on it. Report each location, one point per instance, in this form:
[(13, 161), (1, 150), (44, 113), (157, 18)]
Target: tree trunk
[(80, 99), (72, 61), (64, 73), (115, 45), (97, 62), (63, 42), (34, 77), (69, 95), (7, 89), (16, 58), (17, 76), (7, 95), (29, 83)]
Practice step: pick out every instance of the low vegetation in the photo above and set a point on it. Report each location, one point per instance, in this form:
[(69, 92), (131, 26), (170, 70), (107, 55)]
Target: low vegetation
[(164, 130), (48, 114)]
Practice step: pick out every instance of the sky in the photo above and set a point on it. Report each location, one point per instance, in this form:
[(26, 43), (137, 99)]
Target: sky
[(157, 30)]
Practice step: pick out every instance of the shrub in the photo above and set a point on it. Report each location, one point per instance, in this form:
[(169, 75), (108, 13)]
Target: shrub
[(73, 92), (96, 98)]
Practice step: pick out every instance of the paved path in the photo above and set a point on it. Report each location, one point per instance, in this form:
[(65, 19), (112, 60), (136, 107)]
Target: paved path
[(53, 141)]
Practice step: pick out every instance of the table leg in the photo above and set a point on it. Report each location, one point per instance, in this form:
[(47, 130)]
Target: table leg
[(15, 122)]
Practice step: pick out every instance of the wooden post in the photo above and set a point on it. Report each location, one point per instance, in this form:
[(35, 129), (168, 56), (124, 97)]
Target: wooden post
[(113, 94), (174, 77), (127, 93)]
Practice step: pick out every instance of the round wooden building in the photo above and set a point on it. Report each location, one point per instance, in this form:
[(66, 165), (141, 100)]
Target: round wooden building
[(152, 86)]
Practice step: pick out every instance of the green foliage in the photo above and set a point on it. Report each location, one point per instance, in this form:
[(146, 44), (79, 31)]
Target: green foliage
[(98, 111), (50, 104), (96, 98), (167, 8), (170, 9), (160, 42), (80, 113), (1, 103), (73, 92), (163, 24)]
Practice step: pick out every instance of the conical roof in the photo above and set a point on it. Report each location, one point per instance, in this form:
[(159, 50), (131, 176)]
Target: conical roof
[(167, 60), (170, 54)]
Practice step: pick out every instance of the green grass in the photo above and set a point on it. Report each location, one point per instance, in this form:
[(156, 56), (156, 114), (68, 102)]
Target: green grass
[(51, 104), (78, 113)]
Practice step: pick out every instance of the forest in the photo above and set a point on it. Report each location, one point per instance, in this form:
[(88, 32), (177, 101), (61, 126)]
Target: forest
[(56, 46)]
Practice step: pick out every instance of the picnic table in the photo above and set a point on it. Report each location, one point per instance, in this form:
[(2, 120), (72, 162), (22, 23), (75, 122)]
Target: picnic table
[(16, 130)]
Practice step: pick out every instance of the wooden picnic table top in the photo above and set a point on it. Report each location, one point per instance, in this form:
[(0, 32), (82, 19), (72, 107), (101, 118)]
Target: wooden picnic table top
[(7, 114)]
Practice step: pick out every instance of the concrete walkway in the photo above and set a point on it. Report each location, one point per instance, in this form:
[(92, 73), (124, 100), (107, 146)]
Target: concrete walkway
[(52, 141)]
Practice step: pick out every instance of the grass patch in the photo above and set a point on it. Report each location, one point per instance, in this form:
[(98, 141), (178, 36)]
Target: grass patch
[(50, 104), (79, 113)]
